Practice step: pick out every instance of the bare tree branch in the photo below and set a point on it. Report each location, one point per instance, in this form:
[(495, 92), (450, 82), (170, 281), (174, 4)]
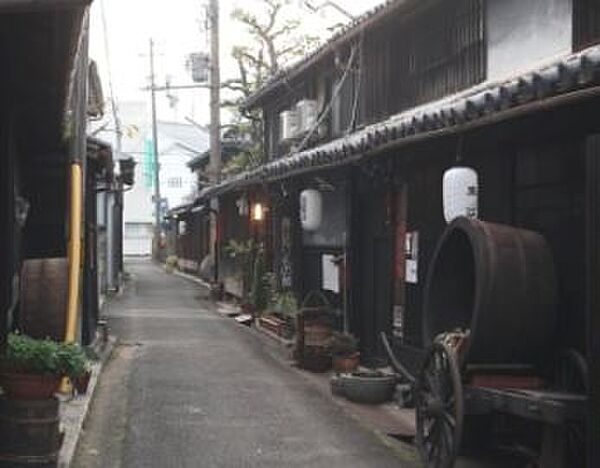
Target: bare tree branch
[(276, 41)]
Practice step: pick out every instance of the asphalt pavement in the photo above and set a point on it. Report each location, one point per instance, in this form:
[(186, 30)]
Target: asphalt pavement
[(189, 388)]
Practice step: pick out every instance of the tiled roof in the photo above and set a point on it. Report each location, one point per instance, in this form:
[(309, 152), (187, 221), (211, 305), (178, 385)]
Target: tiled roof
[(37, 5), (489, 99)]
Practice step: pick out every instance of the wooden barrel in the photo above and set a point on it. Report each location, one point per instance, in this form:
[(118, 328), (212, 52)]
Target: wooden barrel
[(499, 283), (30, 435)]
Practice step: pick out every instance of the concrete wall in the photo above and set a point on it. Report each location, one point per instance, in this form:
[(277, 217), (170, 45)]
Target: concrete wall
[(137, 238), (523, 33)]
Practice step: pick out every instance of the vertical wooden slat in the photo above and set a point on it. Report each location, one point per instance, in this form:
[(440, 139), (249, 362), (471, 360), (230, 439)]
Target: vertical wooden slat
[(593, 295), (407, 62), (586, 23)]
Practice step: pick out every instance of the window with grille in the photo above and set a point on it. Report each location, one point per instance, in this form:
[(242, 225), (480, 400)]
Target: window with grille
[(434, 53), (174, 182), (586, 27)]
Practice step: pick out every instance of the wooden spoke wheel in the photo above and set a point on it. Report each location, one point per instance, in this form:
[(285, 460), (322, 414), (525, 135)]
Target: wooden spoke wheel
[(571, 375), (439, 407), (571, 372)]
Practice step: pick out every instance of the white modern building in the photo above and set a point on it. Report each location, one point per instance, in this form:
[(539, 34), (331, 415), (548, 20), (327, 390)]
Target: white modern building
[(178, 143)]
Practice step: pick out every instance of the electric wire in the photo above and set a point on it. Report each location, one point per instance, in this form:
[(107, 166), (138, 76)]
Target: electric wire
[(113, 100), (357, 90), (334, 96)]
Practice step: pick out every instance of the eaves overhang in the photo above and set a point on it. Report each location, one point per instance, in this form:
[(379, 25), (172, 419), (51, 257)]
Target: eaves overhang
[(565, 80), (24, 6)]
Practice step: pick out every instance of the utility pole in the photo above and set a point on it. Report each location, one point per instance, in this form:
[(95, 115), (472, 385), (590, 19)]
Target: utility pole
[(215, 127), (215, 94), (157, 221)]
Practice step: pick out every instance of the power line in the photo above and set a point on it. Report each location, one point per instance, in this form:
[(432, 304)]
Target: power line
[(113, 103)]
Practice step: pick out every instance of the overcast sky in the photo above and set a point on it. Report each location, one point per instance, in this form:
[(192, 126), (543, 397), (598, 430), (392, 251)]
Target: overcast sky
[(178, 28)]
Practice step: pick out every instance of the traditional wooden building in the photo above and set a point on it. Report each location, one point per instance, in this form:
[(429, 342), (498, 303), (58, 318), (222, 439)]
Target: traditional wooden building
[(374, 119), (44, 170)]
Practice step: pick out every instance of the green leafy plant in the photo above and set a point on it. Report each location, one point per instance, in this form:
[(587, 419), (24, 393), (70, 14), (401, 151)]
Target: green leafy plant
[(73, 360), (286, 304), (259, 294), (343, 344), (243, 253), (24, 354), (270, 282)]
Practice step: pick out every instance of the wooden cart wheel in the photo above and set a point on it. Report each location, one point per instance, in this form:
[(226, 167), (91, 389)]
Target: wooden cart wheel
[(571, 372), (439, 408), (571, 375)]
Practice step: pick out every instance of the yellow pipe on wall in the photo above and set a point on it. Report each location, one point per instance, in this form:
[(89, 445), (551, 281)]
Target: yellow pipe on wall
[(74, 252)]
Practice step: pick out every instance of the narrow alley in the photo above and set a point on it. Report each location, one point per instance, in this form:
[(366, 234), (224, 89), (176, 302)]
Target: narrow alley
[(188, 388)]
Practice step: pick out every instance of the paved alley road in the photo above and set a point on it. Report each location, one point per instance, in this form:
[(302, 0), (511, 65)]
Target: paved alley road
[(188, 388)]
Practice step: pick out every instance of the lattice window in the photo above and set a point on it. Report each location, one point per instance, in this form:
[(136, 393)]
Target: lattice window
[(586, 23)]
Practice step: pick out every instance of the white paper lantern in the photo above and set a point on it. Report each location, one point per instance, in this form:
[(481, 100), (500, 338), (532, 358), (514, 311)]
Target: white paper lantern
[(461, 193), (311, 209)]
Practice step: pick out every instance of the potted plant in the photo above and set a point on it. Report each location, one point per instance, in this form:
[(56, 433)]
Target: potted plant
[(171, 263), (287, 306), (31, 369), (74, 364), (260, 287), (243, 254), (344, 352)]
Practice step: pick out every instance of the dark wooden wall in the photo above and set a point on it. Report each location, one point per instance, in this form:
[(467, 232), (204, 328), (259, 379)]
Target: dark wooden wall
[(586, 23), (193, 245), (528, 180), (406, 61), (593, 295), (413, 60), (233, 226), (9, 251)]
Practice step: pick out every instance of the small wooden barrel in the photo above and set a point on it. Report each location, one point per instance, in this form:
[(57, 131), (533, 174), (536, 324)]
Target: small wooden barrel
[(314, 330), (30, 433)]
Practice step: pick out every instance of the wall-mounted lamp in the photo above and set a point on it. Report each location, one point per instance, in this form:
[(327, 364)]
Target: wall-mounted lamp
[(258, 212)]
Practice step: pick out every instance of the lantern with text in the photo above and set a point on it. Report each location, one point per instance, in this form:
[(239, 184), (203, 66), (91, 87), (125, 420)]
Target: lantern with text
[(460, 192)]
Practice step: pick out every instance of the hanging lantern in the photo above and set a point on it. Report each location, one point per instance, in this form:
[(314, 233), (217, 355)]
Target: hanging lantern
[(311, 209), (258, 212), (242, 205), (460, 192)]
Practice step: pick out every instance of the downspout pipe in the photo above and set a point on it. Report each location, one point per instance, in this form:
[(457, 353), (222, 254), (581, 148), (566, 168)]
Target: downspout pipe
[(77, 100), (74, 251)]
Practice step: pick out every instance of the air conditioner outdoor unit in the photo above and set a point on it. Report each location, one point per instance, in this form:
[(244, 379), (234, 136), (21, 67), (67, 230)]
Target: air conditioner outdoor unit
[(307, 114), (288, 125)]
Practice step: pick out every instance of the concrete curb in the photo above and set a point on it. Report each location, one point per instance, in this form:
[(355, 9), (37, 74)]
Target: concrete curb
[(73, 412), (193, 278)]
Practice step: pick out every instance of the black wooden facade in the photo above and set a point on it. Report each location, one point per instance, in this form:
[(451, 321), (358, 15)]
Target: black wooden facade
[(43, 49), (532, 139)]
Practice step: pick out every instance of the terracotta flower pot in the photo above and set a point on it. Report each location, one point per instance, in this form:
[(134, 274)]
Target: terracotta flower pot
[(21, 386), (346, 363)]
